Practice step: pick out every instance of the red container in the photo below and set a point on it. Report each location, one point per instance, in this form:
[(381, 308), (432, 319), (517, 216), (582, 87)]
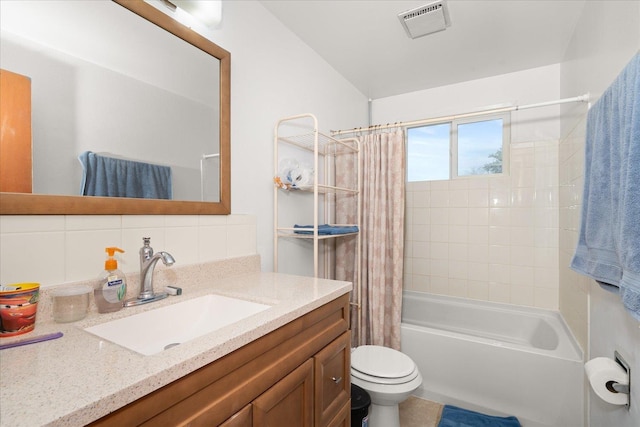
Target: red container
[(18, 306)]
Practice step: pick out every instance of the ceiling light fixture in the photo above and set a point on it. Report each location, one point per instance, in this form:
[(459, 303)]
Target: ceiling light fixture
[(209, 12), (426, 19), (172, 7)]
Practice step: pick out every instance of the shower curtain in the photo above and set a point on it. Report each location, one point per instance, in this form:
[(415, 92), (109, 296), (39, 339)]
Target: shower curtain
[(382, 196)]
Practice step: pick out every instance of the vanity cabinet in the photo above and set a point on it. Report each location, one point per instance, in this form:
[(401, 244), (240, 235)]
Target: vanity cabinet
[(315, 394), (289, 402), (332, 366), (297, 375), (243, 418)]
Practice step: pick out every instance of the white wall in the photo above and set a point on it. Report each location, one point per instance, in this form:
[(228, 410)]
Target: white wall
[(605, 39), (488, 238), (525, 87), (273, 74)]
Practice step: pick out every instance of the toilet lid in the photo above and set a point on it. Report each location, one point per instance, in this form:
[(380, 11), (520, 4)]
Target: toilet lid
[(380, 380), (382, 362)]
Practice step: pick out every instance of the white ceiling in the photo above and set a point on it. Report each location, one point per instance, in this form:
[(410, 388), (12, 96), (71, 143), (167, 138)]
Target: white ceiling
[(365, 42)]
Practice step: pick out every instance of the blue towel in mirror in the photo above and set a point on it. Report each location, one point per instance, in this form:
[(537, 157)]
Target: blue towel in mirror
[(113, 177), (609, 242)]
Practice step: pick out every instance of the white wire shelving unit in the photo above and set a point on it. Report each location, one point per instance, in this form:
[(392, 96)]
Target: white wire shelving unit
[(301, 131)]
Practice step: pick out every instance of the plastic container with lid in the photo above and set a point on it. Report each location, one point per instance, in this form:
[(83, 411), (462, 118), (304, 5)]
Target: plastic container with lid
[(70, 303)]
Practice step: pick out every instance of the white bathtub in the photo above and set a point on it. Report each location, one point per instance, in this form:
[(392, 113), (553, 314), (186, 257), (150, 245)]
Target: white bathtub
[(495, 358)]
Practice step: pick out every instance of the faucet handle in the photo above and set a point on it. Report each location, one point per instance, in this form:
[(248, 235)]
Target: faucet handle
[(146, 251)]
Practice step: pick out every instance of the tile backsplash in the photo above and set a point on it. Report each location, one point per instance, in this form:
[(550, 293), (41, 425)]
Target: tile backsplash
[(66, 248), (488, 237)]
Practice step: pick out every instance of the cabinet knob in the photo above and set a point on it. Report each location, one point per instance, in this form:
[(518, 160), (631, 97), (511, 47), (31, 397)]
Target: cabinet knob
[(336, 380)]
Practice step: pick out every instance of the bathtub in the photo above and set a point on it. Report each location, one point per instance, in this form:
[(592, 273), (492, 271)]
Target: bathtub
[(495, 358)]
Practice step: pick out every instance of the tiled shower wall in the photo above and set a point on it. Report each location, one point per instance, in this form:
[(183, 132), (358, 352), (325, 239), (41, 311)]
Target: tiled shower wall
[(574, 292), (488, 238)]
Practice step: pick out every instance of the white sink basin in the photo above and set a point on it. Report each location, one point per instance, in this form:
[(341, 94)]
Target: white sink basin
[(156, 330)]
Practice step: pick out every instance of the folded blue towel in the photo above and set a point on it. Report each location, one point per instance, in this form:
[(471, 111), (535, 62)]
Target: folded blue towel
[(452, 416), (112, 177), (326, 229), (609, 242)]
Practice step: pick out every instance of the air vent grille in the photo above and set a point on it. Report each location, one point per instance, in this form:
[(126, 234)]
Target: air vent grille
[(422, 11), (426, 19)]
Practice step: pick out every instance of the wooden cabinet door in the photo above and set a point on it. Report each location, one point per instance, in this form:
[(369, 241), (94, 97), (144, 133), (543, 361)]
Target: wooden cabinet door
[(342, 418), (242, 418), (15, 133), (289, 402), (332, 379)]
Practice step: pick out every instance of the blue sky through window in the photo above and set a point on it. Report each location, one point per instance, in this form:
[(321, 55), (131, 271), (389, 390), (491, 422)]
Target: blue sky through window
[(428, 152), (428, 149), (476, 142)]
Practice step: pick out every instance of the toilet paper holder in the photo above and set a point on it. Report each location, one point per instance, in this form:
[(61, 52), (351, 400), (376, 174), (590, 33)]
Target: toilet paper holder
[(616, 387)]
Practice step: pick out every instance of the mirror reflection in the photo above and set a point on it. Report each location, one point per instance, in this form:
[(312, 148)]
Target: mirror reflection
[(132, 93)]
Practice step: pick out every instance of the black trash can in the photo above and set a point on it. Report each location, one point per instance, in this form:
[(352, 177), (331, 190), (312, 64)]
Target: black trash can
[(360, 402)]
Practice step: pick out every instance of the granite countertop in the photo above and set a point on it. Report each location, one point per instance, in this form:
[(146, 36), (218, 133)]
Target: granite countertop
[(79, 378)]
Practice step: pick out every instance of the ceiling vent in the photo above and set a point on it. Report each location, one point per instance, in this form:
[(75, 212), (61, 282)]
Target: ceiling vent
[(426, 19)]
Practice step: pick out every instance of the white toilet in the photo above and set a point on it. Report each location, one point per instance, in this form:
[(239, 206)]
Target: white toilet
[(389, 377)]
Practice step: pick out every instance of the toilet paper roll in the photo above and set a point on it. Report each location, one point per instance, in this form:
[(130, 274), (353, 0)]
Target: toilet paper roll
[(601, 371)]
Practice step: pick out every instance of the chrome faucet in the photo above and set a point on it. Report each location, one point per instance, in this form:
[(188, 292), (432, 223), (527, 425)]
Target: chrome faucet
[(148, 262)]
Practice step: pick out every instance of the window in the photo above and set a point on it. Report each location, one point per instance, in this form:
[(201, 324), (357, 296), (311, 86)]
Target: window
[(458, 148), (428, 152)]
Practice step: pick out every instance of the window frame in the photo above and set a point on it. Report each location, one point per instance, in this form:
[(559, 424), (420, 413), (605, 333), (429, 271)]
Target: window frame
[(453, 143)]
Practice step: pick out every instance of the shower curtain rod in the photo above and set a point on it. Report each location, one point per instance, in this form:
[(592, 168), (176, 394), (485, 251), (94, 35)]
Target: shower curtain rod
[(581, 98)]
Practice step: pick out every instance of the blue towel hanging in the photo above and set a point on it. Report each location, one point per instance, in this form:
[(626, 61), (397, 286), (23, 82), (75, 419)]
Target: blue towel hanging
[(112, 177), (609, 242)]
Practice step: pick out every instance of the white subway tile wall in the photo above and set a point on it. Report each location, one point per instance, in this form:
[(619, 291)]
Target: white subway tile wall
[(574, 292), (489, 238), (53, 250)]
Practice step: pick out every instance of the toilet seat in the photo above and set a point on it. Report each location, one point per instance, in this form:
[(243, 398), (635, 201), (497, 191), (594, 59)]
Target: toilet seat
[(381, 380), (382, 365)]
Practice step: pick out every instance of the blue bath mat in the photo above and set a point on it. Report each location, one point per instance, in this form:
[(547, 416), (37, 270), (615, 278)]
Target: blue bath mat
[(452, 416)]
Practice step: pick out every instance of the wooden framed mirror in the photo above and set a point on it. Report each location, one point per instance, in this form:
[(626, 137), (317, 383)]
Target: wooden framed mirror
[(55, 204)]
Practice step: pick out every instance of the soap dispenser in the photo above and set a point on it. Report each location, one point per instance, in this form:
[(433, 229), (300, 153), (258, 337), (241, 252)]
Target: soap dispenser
[(111, 288)]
